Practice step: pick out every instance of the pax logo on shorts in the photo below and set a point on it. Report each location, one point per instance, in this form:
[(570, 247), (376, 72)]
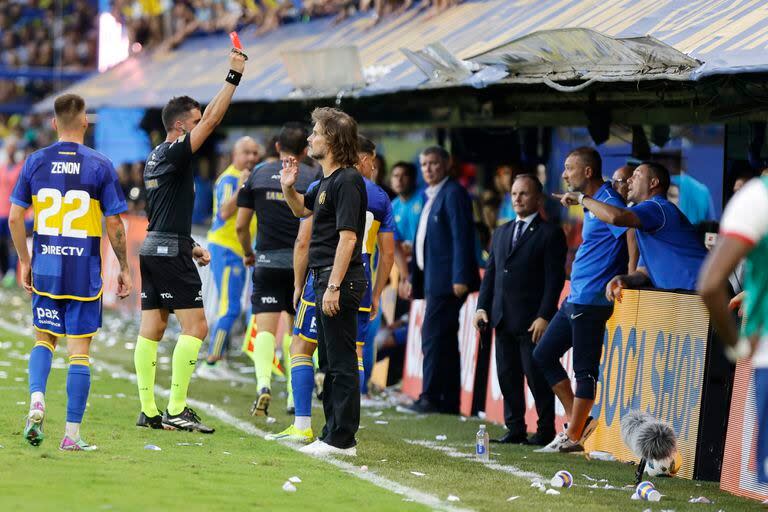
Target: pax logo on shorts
[(47, 316)]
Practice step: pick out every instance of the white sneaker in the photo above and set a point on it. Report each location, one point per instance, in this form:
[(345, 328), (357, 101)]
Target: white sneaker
[(225, 372), (208, 372), (562, 444), (321, 449)]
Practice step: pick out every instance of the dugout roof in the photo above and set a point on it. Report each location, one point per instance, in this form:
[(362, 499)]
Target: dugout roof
[(565, 44)]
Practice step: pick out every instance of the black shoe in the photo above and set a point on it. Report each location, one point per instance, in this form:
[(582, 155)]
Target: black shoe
[(260, 406), (423, 406), (538, 439), (290, 411), (510, 438), (153, 422), (186, 420)]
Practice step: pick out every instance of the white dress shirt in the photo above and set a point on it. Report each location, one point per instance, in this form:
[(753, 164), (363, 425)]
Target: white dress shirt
[(421, 232)]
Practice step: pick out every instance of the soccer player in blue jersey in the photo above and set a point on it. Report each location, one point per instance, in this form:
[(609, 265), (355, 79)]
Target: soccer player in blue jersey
[(580, 321), (671, 251), (70, 187), (227, 266)]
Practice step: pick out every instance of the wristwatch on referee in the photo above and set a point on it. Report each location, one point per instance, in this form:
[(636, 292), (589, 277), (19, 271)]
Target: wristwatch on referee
[(582, 195), (334, 287)]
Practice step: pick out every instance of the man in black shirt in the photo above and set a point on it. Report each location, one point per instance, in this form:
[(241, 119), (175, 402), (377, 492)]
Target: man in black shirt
[(169, 280), (273, 258), (338, 205)]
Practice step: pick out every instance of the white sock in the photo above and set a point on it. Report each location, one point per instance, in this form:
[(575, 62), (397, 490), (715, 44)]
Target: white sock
[(37, 396), (72, 431), (302, 422)]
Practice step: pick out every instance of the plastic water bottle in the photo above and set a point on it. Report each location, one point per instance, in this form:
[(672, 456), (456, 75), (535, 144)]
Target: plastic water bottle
[(481, 444), (647, 491)]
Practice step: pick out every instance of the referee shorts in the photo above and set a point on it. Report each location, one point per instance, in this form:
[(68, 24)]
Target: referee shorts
[(272, 290), (171, 282)]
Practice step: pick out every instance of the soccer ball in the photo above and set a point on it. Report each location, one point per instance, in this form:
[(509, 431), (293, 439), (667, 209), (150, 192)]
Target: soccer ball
[(664, 467)]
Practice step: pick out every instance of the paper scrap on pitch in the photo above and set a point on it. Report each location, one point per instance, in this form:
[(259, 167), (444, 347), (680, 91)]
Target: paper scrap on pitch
[(295, 480), (552, 492), (289, 487), (382, 422), (153, 447), (512, 498), (700, 499), (271, 420), (375, 414), (451, 497), (441, 437), (418, 473)]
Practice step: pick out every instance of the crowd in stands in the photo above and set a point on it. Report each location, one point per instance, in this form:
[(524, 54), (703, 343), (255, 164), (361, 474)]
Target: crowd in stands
[(165, 24), (45, 34)]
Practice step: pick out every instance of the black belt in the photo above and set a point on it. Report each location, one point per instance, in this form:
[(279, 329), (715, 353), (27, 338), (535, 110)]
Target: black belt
[(319, 270)]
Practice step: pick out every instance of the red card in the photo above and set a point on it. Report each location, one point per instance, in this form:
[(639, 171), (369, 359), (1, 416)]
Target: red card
[(235, 40)]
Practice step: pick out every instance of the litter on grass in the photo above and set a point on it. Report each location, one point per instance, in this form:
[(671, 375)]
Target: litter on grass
[(552, 492), (700, 499), (363, 468), (602, 456), (441, 437), (382, 422), (451, 497), (418, 473), (153, 448), (512, 498), (271, 420), (289, 487), (295, 480)]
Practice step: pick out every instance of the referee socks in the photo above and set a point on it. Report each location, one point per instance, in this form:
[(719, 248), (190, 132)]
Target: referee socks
[(145, 361), (184, 361), (263, 357)]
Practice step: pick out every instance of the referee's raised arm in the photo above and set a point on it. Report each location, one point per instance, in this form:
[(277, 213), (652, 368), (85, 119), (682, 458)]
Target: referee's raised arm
[(288, 181), (218, 106)]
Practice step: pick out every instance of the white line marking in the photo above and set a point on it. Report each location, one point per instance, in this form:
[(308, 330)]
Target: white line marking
[(118, 372), (452, 452)]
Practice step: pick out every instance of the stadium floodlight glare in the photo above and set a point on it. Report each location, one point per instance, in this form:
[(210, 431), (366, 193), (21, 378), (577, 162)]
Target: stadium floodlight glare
[(113, 42)]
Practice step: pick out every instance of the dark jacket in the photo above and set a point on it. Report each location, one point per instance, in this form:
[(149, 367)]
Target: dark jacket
[(449, 246), (524, 284)]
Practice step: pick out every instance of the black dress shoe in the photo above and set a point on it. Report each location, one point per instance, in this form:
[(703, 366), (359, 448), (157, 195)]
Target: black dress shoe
[(423, 406), (538, 439), (510, 438)]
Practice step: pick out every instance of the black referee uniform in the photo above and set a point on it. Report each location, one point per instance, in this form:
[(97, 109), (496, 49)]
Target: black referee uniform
[(169, 278), (338, 203), (275, 236)]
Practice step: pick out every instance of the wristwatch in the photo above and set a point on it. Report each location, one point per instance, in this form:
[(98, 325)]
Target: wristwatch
[(333, 287), (582, 195)]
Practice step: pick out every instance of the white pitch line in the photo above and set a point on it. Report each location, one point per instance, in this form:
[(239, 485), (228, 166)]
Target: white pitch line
[(452, 452), (408, 492)]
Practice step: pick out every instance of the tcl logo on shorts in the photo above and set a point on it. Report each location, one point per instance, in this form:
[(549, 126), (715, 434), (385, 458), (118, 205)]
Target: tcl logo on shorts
[(47, 313), (166, 296), (268, 300)]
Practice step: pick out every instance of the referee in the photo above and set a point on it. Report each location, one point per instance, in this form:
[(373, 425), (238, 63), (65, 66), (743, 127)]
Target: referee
[(170, 282), (273, 258), (338, 205)]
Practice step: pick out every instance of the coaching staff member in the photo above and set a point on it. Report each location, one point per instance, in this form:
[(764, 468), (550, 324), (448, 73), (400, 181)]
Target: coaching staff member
[(580, 321), (338, 205), (443, 271), (169, 279), (518, 297)]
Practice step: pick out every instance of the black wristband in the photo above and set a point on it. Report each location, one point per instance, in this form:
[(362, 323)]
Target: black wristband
[(234, 77)]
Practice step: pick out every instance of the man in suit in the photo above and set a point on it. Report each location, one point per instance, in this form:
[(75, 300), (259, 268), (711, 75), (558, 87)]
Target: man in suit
[(518, 298), (443, 271)]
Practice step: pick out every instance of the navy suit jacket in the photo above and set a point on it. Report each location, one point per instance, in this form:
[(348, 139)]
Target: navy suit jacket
[(523, 284), (449, 246)]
